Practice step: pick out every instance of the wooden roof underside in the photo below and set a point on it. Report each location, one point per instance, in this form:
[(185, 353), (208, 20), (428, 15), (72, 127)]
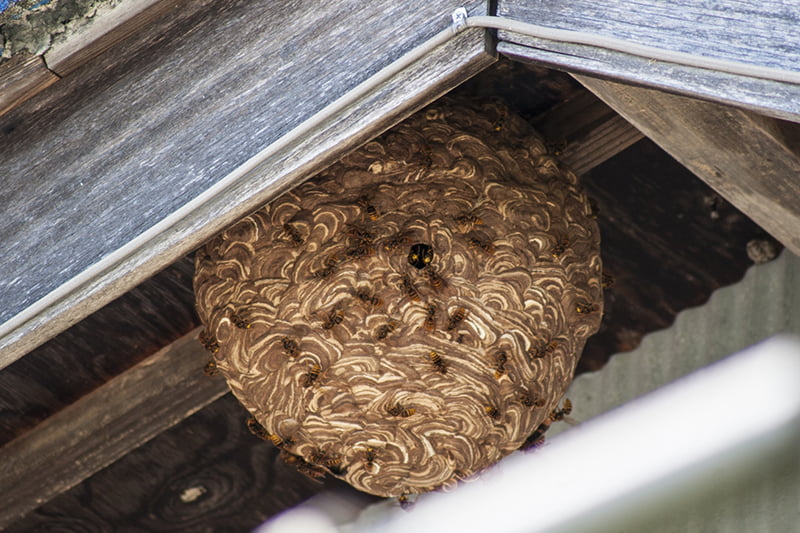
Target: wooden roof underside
[(160, 136)]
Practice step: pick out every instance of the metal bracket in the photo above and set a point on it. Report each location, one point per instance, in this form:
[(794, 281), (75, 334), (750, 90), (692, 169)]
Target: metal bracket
[(459, 17)]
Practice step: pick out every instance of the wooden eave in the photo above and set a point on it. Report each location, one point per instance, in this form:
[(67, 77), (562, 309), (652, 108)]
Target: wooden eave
[(97, 162)]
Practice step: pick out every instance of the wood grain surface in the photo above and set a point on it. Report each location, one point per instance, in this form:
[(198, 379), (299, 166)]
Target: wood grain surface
[(207, 474), (761, 33), (109, 27), (98, 348), (751, 160), (125, 142), (668, 241), (585, 132), (757, 33), (105, 425), (21, 78)]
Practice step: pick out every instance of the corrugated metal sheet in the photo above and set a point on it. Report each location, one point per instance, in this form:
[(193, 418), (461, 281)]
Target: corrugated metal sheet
[(765, 302)]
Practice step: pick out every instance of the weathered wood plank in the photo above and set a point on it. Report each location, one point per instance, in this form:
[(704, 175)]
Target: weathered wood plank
[(585, 132), (106, 29), (100, 347), (206, 474), (761, 34), (165, 160), (105, 425), (750, 160), (21, 78)]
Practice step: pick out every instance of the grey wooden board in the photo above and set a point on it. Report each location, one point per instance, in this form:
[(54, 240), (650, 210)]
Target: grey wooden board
[(103, 426), (751, 160), (108, 26), (125, 142), (759, 33)]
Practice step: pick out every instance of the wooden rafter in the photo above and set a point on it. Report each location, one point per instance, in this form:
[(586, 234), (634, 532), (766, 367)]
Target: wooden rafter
[(751, 160), (103, 426)]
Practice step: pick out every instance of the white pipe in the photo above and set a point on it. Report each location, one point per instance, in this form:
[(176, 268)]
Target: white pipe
[(650, 53)]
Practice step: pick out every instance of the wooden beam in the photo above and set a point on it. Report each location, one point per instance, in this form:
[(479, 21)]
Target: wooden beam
[(750, 160), (107, 28), (761, 34), (586, 132), (21, 78), (178, 141), (164, 389), (103, 426)]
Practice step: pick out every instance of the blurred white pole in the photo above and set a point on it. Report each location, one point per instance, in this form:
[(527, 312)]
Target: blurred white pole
[(672, 446)]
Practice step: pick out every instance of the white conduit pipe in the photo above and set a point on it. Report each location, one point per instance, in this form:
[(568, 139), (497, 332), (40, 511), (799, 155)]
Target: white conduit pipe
[(461, 21), (650, 53)]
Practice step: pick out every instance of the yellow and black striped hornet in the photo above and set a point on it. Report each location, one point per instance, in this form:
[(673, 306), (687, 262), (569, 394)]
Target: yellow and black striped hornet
[(467, 221), (559, 247), (483, 244), (607, 280), (211, 369), (529, 400), (437, 362), (420, 255), (430, 317), (384, 330), (500, 359), (361, 242), (437, 282), (370, 455), (397, 240), (536, 438), (334, 318), (309, 470), (311, 377), (279, 441), (331, 461), (401, 411), (290, 347), (239, 321), (371, 212), (456, 318), (328, 267), (542, 350), (292, 235), (556, 148), (584, 308), (208, 341), (404, 501), (500, 122), (492, 412), (409, 289), (560, 413), (367, 298), (257, 429)]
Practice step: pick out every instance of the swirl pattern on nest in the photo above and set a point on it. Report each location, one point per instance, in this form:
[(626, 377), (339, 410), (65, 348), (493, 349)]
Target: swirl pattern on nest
[(402, 376)]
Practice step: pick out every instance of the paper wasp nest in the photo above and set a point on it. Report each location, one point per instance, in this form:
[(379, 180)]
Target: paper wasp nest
[(413, 313)]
